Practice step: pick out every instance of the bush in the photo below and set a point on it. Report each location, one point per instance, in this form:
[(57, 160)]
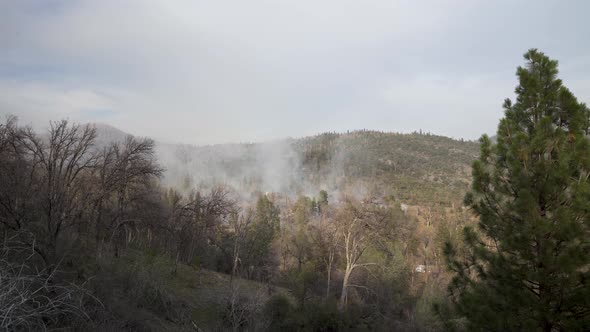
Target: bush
[(278, 311), (323, 317), (242, 310), (34, 300)]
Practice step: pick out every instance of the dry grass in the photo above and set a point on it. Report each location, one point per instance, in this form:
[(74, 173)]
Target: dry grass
[(146, 292)]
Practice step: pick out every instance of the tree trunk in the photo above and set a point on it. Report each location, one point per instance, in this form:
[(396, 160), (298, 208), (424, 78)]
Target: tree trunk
[(345, 282), (234, 269), (330, 259), (98, 228)]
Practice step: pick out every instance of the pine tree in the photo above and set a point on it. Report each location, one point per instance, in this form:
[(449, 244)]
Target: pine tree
[(527, 264)]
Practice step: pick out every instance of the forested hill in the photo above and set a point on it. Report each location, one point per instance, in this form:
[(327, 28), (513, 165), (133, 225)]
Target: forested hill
[(417, 169), (156, 255)]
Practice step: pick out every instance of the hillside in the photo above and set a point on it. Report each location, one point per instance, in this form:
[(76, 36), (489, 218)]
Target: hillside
[(106, 134), (169, 268), (417, 169), (274, 248), (148, 292)]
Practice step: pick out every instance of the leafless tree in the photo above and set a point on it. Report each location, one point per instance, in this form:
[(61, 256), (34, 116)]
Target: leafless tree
[(125, 172), (359, 224), (325, 236), (58, 167), (197, 221), (240, 308), (17, 180)]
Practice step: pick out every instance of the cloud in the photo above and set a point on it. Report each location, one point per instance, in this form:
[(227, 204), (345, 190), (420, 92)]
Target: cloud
[(221, 71), (455, 103), (39, 103)]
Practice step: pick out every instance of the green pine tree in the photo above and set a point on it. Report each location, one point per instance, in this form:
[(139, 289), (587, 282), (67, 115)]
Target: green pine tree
[(527, 265)]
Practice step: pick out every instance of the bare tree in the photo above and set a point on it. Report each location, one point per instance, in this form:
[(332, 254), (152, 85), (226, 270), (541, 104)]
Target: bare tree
[(124, 173), (359, 225), (17, 180), (59, 166), (325, 236), (196, 222), (242, 309), (209, 217), (240, 224), (135, 169)]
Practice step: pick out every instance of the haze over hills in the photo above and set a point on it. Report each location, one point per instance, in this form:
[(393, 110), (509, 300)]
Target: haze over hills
[(417, 168)]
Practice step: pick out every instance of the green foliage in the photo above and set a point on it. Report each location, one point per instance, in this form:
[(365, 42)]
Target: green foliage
[(426, 315), (417, 168), (322, 317), (267, 214), (301, 281), (260, 235), (303, 210), (527, 265), (314, 316), (323, 197), (279, 311)]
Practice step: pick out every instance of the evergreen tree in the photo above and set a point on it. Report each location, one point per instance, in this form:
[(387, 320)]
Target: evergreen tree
[(527, 265), (259, 237), (323, 199)]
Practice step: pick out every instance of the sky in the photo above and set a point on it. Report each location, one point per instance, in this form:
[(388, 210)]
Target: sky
[(205, 72)]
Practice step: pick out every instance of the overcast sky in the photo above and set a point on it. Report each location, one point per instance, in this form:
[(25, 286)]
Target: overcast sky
[(237, 71)]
